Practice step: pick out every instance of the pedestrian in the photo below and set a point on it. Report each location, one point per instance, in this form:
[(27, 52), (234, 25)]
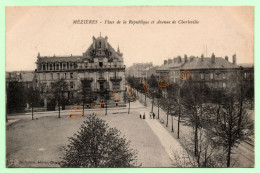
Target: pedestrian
[(150, 115), (153, 115), (140, 116), (144, 116)]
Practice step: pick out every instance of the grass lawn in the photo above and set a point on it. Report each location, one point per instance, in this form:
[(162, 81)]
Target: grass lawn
[(39, 143)]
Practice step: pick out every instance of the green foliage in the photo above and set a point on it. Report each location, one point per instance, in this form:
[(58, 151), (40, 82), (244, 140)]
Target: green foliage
[(97, 145)]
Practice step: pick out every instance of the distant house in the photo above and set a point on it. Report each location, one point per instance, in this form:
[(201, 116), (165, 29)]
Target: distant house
[(27, 78), (139, 70)]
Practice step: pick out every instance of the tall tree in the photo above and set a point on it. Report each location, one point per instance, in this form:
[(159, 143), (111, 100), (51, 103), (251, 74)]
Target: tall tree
[(97, 145), (153, 85), (232, 126), (58, 89), (194, 96)]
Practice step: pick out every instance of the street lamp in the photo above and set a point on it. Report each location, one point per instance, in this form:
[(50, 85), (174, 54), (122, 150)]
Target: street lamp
[(107, 94), (59, 104), (32, 101)]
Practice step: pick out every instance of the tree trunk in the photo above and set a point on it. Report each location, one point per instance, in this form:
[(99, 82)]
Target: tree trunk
[(240, 113), (32, 111), (59, 111), (196, 140), (158, 108), (152, 104), (228, 155), (167, 115), (59, 107), (179, 119), (172, 124), (145, 99), (83, 108), (129, 106)]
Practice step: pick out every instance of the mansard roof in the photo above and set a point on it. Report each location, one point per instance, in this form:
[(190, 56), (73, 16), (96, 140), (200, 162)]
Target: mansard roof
[(193, 63), (206, 63), (175, 62), (101, 44), (99, 48)]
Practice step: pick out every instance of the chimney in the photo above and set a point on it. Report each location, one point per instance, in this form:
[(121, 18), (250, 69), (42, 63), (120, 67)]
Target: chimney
[(226, 58), (202, 57), (191, 58), (165, 62), (185, 58), (234, 59), (179, 59), (213, 58), (169, 61)]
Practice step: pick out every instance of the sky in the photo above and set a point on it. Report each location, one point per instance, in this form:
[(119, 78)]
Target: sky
[(50, 30)]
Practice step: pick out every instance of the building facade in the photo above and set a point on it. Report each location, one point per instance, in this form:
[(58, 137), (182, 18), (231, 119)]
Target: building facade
[(100, 68), (27, 78), (213, 72), (140, 70)]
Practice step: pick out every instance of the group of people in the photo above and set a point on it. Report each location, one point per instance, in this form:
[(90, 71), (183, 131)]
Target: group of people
[(152, 116)]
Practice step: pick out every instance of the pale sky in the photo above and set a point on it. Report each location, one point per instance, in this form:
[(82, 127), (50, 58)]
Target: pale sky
[(50, 30)]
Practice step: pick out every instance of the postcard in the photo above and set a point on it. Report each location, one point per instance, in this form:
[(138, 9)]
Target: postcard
[(130, 86)]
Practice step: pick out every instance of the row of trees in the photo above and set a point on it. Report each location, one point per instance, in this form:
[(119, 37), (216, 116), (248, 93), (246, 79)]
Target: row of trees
[(219, 118)]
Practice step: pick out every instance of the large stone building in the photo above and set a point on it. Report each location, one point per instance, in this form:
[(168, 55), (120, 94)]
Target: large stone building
[(214, 72), (99, 69)]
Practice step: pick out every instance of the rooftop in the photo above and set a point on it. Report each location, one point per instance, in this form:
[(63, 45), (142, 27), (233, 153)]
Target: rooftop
[(206, 63)]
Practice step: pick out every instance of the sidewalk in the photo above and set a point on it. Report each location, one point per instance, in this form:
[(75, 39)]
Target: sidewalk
[(172, 147), (133, 105)]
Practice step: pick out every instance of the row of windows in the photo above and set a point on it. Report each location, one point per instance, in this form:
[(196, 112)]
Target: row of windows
[(211, 76), (247, 75), (214, 84), (45, 85), (59, 75), (116, 86), (59, 66)]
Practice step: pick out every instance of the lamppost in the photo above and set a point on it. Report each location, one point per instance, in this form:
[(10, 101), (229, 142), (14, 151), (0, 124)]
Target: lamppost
[(158, 101), (145, 99), (60, 100), (129, 105), (107, 94), (59, 104), (172, 122), (33, 91), (32, 101)]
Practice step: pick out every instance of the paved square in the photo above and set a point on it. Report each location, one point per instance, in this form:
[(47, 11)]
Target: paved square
[(39, 143)]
